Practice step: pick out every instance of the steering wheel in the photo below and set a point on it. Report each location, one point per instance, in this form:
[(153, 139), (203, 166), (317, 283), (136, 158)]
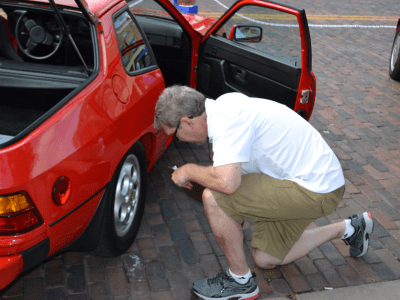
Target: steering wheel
[(36, 36)]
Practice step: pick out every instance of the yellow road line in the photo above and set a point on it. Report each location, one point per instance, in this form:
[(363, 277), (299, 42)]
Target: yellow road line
[(352, 18)]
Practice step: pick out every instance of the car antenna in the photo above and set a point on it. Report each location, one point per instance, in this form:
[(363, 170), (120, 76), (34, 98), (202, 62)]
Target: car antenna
[(61, 19)]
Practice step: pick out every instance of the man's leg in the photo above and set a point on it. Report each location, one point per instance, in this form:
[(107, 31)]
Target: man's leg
[(228, 233), (354, 231), (308, 241), (239, 282)]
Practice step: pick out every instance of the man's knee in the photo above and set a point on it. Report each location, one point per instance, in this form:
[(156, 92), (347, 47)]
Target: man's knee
[(264, 260), (211, 207), (208, 198), (207, 194)]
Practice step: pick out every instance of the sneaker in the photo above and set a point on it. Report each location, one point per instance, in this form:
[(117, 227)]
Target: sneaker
[(224, 287), (359, 240)]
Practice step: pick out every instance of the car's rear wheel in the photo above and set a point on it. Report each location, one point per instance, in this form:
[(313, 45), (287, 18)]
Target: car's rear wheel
[(394, 66), (124, 204)]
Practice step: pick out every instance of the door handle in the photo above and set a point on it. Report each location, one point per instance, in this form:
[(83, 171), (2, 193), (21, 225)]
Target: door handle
[(241, 74), (226, 84)]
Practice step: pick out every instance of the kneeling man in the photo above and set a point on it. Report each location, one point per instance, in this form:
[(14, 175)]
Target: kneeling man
[(269, 165)]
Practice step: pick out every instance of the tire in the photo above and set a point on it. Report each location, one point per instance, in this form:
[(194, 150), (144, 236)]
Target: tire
[(124, 205), (394, 64)]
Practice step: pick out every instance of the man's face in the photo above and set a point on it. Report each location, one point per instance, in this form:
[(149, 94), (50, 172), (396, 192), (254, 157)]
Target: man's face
[(192, 130)]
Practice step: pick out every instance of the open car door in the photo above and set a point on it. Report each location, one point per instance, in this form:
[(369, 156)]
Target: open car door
[(261, 49)]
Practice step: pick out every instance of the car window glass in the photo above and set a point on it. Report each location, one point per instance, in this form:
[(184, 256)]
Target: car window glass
[(149, 8), (135, 53), (280, 32)]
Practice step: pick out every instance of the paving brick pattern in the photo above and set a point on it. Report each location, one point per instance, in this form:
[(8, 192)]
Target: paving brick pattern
[(357, 111)]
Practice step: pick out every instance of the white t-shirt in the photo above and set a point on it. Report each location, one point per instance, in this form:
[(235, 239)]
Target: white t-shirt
[(270, 138)]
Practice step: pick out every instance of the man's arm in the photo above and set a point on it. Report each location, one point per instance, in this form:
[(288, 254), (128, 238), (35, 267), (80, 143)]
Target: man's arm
[(225, 179)]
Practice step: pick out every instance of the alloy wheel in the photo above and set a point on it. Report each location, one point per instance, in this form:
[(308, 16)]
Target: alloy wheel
[(127, 195)]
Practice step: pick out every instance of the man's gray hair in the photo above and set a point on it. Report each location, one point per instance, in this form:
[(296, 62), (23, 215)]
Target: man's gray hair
[(176, 102)]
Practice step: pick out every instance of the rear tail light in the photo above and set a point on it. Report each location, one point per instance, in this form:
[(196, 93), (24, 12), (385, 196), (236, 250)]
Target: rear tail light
[(18, 214)]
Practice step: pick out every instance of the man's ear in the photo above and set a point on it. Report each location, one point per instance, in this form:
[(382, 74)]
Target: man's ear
[(188, 121)]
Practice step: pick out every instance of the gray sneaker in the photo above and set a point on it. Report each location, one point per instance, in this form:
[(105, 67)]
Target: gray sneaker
[(359, 240), (224, 287)]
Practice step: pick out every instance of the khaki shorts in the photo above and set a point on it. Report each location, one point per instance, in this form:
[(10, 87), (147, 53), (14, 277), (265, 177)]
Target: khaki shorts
[(282, 210)]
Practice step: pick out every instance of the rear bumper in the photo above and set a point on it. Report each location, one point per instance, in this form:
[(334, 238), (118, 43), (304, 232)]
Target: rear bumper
[(11, 266)]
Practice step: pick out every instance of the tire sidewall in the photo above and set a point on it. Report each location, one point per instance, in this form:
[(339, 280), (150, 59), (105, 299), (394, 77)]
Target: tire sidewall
[(395, 73)]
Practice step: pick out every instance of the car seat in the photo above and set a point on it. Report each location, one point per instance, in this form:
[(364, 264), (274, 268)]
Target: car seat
[(6, 50)]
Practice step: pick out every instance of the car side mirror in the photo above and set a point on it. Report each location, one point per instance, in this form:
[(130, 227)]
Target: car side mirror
[(246, 33)]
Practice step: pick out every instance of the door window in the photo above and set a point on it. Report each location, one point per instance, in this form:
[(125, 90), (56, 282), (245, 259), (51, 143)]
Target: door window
[(149, 8), (135, 52), (280, 32)]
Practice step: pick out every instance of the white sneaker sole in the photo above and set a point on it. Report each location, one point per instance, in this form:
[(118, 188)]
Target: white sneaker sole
[(250, 296), (369, 226)]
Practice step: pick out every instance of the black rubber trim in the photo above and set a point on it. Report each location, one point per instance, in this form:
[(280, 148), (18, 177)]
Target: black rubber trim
[(36, 254), (12, 76), (89, 238), (79, 206)]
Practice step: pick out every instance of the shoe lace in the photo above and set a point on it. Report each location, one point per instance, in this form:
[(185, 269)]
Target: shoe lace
[(220, 278)]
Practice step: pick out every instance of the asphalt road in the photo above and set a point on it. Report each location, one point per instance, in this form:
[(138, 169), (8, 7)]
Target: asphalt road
[(357, 111)]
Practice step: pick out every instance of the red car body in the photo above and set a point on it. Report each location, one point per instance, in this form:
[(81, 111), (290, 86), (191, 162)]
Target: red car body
[(85, 138)]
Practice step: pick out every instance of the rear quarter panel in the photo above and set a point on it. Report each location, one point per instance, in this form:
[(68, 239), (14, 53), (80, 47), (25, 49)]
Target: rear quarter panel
[(84, 141)]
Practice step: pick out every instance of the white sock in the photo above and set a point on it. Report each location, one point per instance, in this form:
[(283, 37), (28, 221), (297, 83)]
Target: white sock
[(349, 230), (241, 279)]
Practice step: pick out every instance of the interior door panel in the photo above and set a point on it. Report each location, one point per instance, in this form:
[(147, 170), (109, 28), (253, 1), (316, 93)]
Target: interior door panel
[(226, 66)]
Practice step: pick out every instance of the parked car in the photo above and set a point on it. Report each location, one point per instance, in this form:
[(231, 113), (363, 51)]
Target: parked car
[(394, 64), (79, 81)]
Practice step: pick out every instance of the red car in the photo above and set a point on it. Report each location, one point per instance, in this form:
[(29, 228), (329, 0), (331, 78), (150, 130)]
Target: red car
[(79, 82)]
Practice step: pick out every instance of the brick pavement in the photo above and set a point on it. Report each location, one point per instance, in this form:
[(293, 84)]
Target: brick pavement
[(357, 111)]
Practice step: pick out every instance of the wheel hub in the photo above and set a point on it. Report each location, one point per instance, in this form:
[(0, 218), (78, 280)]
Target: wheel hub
[(126, 195)]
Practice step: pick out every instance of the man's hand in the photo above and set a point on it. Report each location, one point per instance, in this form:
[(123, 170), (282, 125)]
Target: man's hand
[(179, 177)]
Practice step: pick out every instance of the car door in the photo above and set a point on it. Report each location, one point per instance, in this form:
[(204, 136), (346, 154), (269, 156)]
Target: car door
[(261, 49)]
